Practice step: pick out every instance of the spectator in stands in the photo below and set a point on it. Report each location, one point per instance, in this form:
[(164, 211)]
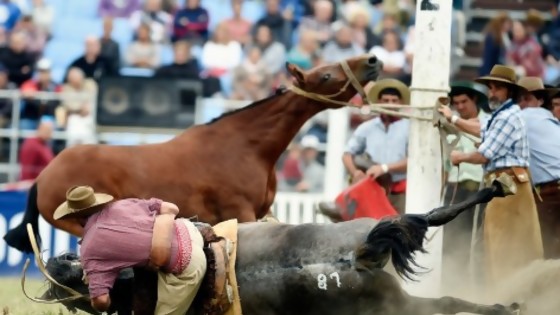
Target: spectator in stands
[(35, 153), (75, 114), (240, 28), (496, 42), (9, 14), (43, 16), (389, 23), (309, 173), (525, 53), (342, 46), (3, 37), (251, 79), (552, 48), (159, 20), (6, 104), (359, 19), (36, 37), (320, 21), (118, 8), (15, 57), (143, 53), (279, 22), (393, 58), (184, 66), (110, 49), (273, 52), (305, 52), (92, 63), (191, 22), (220, 54), (35, 107)]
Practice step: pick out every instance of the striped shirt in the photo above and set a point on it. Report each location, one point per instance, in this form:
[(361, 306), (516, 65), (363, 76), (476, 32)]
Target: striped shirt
[(504, 139)]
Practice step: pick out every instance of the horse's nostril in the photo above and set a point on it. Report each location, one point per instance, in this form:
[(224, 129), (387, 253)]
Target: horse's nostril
[(372, 60)]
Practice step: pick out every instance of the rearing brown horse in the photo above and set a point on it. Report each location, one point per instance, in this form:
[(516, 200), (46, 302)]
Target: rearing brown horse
[(216, 171)]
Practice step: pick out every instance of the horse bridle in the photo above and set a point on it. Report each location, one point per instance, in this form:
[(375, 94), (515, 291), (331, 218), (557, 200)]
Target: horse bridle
[(351, 79)]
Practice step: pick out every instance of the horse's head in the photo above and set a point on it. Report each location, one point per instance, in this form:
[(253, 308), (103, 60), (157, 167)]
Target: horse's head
[(336, 82), (66, 270)]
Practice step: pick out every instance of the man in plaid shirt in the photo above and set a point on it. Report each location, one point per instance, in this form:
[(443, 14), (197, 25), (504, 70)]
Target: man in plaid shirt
[(512, 237)]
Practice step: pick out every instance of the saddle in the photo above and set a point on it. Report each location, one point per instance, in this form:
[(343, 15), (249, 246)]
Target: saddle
[(216, 294)]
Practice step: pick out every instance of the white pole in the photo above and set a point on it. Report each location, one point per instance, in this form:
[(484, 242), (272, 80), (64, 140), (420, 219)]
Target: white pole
[(339, 120), (430, 80)]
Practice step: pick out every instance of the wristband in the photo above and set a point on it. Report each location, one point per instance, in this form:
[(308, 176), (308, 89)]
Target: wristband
[(385, 168), (454, 119)]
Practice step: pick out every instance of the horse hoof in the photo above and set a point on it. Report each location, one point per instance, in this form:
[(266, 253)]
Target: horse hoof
[(330, 209)]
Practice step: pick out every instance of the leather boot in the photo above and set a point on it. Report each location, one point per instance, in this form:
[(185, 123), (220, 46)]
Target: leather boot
[(331, 210)]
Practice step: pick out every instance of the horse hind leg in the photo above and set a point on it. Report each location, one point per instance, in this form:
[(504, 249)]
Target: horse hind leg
[(450, 305)]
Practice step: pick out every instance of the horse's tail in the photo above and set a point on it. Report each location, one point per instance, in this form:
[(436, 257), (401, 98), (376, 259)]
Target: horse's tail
[(17, 237), (393, 237)]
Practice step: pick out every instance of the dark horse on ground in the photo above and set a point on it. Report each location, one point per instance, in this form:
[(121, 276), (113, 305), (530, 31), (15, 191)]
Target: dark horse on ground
[(307, 269), (217, 171)]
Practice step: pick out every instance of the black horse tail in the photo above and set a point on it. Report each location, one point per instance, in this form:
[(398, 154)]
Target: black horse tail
[(396, 237), (17, 237)]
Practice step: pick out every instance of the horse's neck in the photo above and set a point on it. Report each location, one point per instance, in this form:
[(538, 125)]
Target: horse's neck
[(269, 127)]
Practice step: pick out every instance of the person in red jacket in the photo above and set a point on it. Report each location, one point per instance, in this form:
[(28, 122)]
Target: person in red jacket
[(35, 153)]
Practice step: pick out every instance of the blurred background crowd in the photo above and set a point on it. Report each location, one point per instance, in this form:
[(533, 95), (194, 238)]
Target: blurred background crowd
[(237, 49)]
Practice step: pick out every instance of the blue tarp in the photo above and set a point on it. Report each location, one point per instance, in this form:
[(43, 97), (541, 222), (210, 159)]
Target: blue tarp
[(12, 206)]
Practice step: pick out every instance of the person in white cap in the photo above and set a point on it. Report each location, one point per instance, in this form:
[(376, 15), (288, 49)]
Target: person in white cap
[(310, 173)]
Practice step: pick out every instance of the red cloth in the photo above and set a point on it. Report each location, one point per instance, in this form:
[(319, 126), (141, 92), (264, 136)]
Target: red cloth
[(34, 156), (365, 199)]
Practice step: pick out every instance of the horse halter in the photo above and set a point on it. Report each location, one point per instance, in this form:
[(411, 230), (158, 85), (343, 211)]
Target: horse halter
[(351, 79)]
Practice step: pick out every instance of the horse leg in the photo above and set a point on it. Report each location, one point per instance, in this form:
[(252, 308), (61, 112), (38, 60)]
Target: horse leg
[(450, 305)]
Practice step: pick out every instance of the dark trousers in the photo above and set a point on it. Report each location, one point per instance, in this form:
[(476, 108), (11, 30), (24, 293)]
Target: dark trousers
[(549, 218), (457, 234)]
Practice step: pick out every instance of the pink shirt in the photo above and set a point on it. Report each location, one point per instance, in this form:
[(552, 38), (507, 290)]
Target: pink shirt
[(119, 237)]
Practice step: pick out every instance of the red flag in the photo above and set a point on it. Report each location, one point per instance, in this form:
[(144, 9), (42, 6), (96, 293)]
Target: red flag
[(366, 198)]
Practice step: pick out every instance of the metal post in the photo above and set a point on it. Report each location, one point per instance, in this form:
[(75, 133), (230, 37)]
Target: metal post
[(430, 80)]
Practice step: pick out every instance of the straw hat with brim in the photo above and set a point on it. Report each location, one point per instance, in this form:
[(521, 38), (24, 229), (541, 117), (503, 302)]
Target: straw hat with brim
[(536, 86), (501, 74), (464, 87), (81, 201), (373, 94)]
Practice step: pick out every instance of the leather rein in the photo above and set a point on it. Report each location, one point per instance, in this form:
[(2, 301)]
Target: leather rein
[(351, 80)]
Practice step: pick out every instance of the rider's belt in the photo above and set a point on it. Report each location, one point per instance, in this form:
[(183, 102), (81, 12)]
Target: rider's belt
[(519, 174), (551, 187)]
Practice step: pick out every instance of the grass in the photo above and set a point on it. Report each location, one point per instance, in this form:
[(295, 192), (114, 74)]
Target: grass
[(13, 302)]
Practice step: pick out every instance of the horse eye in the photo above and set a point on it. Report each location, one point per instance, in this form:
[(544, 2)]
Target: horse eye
[(326, 77)]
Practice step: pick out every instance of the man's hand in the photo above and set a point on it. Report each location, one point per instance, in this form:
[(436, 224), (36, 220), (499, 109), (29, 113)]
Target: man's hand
[(446, 112), (456, 157), (375, 171), (101, 303), (357, 176)]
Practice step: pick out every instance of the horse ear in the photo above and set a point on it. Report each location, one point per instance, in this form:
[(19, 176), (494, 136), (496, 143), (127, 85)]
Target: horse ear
[(296, 72)]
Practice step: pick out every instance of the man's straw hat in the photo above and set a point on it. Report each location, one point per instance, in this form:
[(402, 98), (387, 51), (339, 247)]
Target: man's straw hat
[(373, 94), (536, 86), (501, 74), (81, 201)]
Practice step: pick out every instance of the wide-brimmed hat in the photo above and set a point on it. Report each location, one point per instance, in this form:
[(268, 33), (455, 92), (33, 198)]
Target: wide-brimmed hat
[(501, 74), (373, 94), (81, 201), (535, 85), (481, 92)]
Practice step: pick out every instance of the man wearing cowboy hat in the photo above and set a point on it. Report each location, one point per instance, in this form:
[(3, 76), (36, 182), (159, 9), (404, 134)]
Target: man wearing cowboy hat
[(136, 232), (471, 103), (512, 237), (543, 131), (385, 140)]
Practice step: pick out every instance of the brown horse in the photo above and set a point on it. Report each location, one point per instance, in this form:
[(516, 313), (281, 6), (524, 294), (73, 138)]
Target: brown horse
[(216, 171)]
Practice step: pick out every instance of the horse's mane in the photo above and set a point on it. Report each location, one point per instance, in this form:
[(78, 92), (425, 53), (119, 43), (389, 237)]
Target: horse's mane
[(279, 91)]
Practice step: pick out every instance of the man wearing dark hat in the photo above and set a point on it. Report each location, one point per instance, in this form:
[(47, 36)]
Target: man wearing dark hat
[(468, 99), (132, 232), (543, 131), (512, 236)]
